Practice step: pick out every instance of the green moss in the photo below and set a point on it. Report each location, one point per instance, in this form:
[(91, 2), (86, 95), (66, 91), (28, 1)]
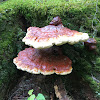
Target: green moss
[(10, 33), (97, 65), (98, 45), (79, 13), (85, 64)]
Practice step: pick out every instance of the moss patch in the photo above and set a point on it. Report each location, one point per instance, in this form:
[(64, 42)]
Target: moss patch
[(10, 38), (85, 64)]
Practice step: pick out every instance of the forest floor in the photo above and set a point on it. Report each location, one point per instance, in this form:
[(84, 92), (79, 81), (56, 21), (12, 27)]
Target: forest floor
[(76, 88)]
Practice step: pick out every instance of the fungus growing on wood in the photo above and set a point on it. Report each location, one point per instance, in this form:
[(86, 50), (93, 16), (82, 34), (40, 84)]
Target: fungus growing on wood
[(45, 61), (53, 34), (45, 58), (90, 44), (56, 21)]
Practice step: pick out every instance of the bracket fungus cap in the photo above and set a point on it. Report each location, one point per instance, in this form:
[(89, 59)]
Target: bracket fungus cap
[(44, 61), (90, 41), (90, 44), (56, 21), (53, 34)]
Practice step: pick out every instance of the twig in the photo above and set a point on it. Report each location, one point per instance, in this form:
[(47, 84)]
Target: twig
[(60, 90)]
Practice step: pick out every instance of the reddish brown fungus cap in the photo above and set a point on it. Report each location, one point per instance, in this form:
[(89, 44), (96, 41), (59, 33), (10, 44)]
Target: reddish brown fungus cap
[(56, 21), (46, 61), (90, 44), (53, 34), (90, 41)]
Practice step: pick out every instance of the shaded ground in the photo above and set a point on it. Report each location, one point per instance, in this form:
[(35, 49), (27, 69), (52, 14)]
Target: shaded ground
[(76, 87)]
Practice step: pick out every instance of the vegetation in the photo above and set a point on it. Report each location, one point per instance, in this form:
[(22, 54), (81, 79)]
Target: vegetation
[(33, 97), (17, 16)]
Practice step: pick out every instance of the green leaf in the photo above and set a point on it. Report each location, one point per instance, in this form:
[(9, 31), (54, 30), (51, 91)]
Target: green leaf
[(32, 97), (30, 92), (40, 97), (98, 93)]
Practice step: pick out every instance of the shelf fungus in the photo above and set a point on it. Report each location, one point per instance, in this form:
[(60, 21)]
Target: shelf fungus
[(47, 58), (45, 61), (53, 34), (90, 44)]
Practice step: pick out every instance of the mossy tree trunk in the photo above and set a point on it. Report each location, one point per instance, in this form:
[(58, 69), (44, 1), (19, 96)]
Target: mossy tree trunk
[(79, 15)]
